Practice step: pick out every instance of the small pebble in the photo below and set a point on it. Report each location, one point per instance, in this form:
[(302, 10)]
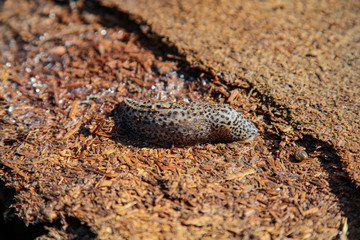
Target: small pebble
[(301, 155)]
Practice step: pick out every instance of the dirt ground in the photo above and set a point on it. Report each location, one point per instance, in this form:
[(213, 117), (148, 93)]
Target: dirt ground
[(292, 68)]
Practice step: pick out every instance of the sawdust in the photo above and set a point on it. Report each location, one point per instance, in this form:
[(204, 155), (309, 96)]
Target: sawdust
[(72, 172)]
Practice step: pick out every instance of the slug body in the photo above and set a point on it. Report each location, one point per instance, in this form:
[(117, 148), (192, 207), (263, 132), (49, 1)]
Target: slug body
[(170, 123)]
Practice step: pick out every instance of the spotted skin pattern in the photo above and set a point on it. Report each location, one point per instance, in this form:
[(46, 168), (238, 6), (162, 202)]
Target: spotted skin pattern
[(170, 123)]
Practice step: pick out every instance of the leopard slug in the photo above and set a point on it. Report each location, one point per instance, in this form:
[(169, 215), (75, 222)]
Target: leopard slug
[(180, 123)]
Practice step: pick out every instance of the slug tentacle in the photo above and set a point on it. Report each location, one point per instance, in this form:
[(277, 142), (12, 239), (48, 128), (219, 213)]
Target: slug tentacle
[(170, 123)]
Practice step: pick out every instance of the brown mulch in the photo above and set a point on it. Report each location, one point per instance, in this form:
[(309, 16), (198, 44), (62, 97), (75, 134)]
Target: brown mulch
[(64, 67), (302, 56)]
